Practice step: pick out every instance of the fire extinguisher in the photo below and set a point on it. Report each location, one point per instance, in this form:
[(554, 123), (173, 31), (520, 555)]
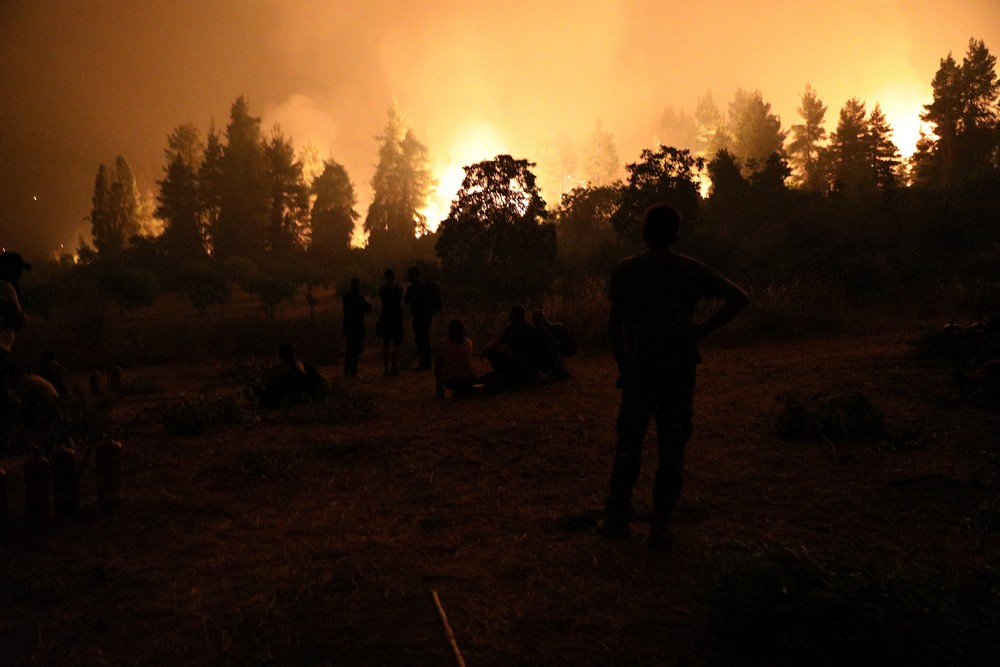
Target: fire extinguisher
[(38, 499), (109, 473)]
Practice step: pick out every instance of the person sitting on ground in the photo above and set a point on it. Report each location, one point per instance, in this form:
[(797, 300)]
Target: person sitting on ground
[(514, 357), (551, 336), (293, 379), (39, 400), (55, 373), (453, 362)]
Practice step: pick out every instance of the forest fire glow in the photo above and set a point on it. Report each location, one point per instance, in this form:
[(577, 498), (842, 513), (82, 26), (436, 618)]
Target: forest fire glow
[(529, 81), (473, 143)]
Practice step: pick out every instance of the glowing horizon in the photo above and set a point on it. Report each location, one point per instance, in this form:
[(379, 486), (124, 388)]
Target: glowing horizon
[(533, 73)]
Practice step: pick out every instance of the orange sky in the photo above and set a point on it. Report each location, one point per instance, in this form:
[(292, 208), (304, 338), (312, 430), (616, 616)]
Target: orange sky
[(81, 82)]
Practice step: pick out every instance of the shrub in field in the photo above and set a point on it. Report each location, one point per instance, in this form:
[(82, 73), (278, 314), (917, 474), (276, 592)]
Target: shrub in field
[(193, 415), (795, 308), (778, 607), (834, 416)]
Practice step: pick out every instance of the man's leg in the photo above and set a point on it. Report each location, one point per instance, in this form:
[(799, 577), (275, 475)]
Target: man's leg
[(634, 414), (673, 430)]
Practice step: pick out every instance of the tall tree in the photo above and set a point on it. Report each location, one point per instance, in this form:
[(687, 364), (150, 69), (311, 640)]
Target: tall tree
[(961, 150), (209, 180), (288, 221), (849, 152), (710, 127), (116, 207), (496, 239), (400, 187), (603, 164), (244, 194), (667, 174), (185, 143), (178, 201), (883, 155), (806, 149), (977, 143), (415, 182), (755, 130), (179, 208), (333, 213)]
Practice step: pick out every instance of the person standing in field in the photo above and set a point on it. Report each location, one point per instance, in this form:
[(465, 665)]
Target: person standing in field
[(389, 326), (654, 338), (424, 300), (355, 308)]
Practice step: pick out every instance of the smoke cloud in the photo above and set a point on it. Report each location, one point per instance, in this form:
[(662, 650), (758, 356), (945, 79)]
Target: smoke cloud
[(82, 82)]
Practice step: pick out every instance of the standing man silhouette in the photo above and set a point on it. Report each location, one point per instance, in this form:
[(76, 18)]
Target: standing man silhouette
[(12, 321), (355, 308), (654, 340), (389, 326), (424, 300)]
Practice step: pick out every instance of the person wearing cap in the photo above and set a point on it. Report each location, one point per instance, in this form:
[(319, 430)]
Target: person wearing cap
[(654, 339), (12, 321)]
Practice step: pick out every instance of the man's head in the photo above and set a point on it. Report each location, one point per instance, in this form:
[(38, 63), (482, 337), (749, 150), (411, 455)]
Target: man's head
[(355, 285), (389, 275), (516, 314), (12, 265), (661, 228), (413, 274)]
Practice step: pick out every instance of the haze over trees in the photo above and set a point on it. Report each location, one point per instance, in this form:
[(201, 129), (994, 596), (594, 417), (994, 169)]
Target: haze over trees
[(761, 200), (400, 188), (806, 150)]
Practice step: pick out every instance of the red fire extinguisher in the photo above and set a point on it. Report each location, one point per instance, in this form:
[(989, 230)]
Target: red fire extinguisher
[(109, 473)]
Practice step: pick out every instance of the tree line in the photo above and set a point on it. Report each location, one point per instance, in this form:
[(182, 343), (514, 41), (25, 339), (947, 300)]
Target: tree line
[(765, 202)]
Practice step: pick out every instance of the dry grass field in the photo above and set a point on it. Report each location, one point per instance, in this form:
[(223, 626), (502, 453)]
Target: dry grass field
[(316, 534)]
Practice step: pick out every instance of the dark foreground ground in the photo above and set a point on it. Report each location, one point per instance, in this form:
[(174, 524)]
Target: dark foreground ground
[(315, 535)]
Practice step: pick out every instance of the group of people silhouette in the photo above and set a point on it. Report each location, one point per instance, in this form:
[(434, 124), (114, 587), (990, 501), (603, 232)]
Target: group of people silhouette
[(524, 350), (652, 328)]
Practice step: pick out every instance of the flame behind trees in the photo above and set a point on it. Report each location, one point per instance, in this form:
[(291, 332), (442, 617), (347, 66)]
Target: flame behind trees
[(496, 239), (114, 217)]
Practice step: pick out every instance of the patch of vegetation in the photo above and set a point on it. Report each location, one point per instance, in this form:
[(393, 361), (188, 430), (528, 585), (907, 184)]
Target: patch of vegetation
[(339, 404), (777, 607), (196, 414), (830, 415)]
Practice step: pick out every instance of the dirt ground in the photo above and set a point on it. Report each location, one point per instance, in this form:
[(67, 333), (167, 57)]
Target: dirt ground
[(302, 539)]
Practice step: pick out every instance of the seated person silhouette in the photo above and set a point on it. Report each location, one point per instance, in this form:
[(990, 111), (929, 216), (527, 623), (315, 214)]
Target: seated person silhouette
[(453, 362), (293, 380), (516, 356), (554, 342)]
